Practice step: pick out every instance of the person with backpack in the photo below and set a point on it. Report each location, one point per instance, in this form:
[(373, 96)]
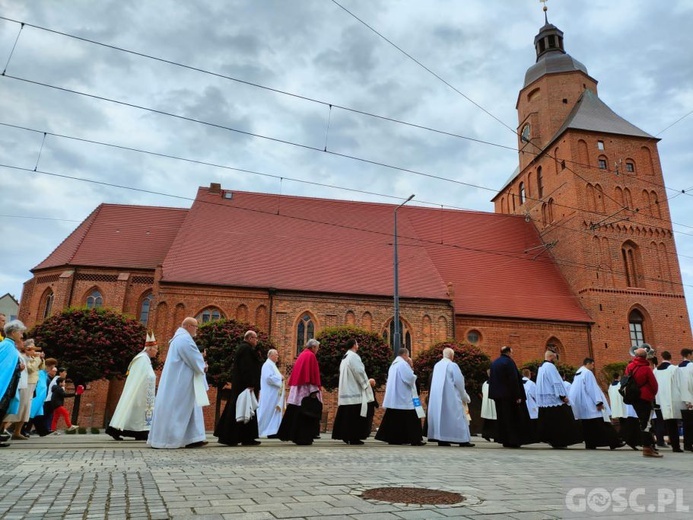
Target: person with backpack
[(642, 374)]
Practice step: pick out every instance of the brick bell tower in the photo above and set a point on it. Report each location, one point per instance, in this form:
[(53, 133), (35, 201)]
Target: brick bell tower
[(592, 183)]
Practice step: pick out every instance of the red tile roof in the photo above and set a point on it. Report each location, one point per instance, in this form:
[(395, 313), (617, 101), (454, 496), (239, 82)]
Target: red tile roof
[(116, 235), (493, 261)]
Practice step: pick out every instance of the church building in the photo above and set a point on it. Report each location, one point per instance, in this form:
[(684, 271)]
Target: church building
[(578, 255)]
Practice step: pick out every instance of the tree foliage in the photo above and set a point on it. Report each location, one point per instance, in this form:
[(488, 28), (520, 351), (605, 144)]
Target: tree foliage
[(375, 354), (471, 360), (91, 343), (563, 368), (608, 371), (220, 339)]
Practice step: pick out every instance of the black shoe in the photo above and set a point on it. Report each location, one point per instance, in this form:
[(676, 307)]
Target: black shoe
[(251, 443), (442, 443), (634, 447), (514, 446), (688, 448), (677, 450), (467, 444), (5, 436), (617, 446), (592, 448), (356, 443), (420, 443), (198, 444)]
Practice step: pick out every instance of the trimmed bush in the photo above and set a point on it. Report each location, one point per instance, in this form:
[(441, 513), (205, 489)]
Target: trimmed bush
[(220, 339), (91, 343), (375, 354), (471, 360)]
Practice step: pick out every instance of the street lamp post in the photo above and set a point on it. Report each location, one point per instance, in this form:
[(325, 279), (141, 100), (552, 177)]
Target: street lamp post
[(397, 334)]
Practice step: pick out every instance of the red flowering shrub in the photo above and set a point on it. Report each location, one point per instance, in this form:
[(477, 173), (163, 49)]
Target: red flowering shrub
[(220, 338), (471, 360), (91, 343), (375, 354)]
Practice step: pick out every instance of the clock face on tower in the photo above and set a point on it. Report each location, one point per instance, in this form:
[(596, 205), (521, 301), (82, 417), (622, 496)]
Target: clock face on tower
[(526, 133)]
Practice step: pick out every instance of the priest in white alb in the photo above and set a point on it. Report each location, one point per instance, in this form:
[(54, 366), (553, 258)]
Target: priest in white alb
[(178, 421), (669, 399), (532, 407), (271, 404), (401, 424), (133, 414), (488, 412), (591, 409), (557, 425), (447, 421)]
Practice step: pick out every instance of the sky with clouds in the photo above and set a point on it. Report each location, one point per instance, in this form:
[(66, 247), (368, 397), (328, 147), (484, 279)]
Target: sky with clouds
[(99, 104)]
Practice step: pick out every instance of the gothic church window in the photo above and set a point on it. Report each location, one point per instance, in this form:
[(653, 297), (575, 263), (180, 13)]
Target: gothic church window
[(209, 314), (522, 193), (635, 322), (305, 330), (48, 304), (630, 167), (602, 162), (145, 306), (632, 264), (94, 300), (540, 183)]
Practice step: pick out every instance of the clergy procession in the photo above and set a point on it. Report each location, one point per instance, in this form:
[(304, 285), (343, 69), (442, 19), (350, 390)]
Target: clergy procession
[(651, 403)]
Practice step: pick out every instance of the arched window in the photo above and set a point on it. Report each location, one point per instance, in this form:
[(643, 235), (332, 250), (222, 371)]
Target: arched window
[(145, 306), (630, 166), (367, 321), (631, 264), (94, 300), (47, 304), (242, 313), (522, 193), (628, 198), (209, 314), (540, 183), (599, 198), (549, 211), (305, 330), (405, 334), (350, 318), (555, 345), (656, 211), (635, 322), (603, 163), (591, 200)]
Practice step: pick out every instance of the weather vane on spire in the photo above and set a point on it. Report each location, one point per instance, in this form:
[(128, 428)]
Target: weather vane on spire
[(545, 9)]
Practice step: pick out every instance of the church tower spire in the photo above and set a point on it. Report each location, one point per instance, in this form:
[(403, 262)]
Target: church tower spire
[(592, 183)]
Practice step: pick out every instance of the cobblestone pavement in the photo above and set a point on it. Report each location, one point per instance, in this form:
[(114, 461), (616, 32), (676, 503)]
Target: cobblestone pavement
[(93, 476)]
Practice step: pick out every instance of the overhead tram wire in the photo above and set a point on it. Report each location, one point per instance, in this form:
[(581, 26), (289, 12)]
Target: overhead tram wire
[(385, 234), (514, 131), (294, 95), (282, 177), (327, 104), (330, 105)]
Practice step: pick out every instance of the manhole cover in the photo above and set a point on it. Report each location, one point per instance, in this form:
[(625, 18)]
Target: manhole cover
[(411, 495)]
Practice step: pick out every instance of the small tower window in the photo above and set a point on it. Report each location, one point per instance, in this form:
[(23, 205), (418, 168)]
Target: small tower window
[(635, 321), (522, 193), (600, 145), (602, 164), (630, 167), (540, 183)]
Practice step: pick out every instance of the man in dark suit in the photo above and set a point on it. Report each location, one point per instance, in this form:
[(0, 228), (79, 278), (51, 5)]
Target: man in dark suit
[(506, 389)]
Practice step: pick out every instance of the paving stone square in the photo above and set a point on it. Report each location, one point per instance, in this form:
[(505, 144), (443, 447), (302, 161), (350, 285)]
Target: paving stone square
[(92, 476)]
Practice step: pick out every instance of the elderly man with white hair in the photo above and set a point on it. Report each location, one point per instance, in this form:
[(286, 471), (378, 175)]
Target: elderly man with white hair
[(11, 366), (271, 403), (447, 421)]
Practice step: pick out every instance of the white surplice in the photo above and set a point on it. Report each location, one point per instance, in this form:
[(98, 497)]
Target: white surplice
[(136, 404), (401, 385), (531, 394), (269, 412), (446, 418), (178, 419), (488, 406), (686, 384), (584, 395), (549, 386), (669, 391)]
